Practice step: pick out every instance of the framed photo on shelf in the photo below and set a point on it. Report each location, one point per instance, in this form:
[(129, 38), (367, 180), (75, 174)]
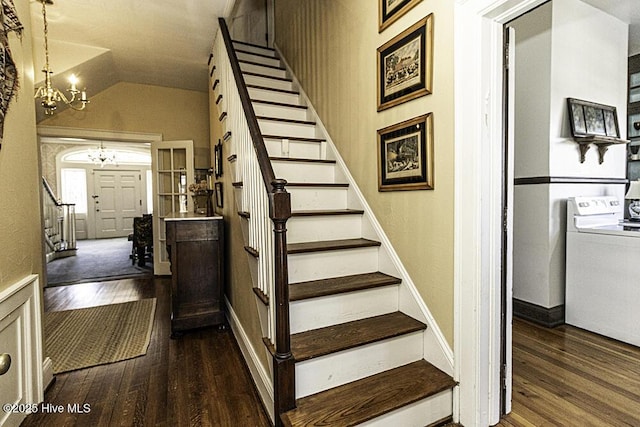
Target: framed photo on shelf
[(405, 65), (405, 155), (391, 10), (219, 195), (591, 119)]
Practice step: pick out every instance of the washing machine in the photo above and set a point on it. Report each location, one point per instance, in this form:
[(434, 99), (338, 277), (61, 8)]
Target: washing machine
[(602, 269)]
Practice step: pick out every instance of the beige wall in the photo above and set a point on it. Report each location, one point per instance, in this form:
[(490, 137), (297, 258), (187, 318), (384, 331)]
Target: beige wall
[(20, 226), (175, 113), (332, 49)]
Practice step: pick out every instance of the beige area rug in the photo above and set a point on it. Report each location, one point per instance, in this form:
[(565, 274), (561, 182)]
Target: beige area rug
[(76, 339)]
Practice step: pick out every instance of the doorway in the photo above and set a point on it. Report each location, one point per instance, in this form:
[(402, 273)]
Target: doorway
[(117, 199)]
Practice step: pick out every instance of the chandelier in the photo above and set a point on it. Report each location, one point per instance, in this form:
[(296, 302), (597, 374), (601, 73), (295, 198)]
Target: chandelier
[(49, 96), (102, 156)]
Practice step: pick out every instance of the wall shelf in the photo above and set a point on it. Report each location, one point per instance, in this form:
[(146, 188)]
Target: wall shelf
[(602, 142)]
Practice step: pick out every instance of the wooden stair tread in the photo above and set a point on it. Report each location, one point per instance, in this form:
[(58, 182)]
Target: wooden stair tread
[(273, 89), (329, 245), (294, 138), (301, 160), (368, 398), (327, 212), (318, 184), (260, 64), (338, 285), (279, 119), (261, 55), (266, 76), (253, 45), (279, 104), (331, 339)]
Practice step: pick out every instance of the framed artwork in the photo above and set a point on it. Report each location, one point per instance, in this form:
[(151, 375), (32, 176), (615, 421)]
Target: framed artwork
[(217, 166), (405, 155), (219, 195), (405, 65), (591, 119), (390, 10)]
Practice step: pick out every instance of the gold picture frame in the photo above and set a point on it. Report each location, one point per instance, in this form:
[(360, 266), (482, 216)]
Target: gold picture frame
[(405, 65), (405, 155), (390, 11)]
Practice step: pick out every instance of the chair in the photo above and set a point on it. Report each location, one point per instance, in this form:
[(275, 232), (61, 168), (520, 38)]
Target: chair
[(142, 238)]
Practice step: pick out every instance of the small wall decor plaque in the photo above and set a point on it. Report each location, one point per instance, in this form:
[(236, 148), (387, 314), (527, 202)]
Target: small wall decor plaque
[(391, 10)]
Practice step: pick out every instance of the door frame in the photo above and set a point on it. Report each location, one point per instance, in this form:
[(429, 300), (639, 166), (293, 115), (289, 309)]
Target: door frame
[(478, 242)]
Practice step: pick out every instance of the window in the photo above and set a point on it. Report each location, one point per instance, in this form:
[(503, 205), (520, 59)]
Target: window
[(74, 188)]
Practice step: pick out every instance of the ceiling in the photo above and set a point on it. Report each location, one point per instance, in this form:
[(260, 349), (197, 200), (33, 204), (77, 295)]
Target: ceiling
[(163, 42), (158, 42)]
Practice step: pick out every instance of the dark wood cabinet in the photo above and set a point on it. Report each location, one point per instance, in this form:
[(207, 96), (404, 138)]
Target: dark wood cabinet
[(196, 250)]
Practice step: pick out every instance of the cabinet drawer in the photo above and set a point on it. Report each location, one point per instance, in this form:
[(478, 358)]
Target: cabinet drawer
[(192, 231)]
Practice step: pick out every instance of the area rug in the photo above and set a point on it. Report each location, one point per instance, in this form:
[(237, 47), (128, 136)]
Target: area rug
[(96, 260), (77, 339)]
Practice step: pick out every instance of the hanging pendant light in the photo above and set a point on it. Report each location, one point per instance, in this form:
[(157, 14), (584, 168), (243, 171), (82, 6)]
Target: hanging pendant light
[(50, 96)]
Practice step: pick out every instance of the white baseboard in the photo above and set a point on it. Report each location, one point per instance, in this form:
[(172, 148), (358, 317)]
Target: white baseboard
[(47, 373), (261, 378)]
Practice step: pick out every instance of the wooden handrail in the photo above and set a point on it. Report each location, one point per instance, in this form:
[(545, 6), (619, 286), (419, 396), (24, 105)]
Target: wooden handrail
[(268, 176), (49, 191), (279, 213)]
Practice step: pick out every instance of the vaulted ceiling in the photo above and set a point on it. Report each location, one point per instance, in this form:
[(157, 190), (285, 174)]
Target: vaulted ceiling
[(157, 42)]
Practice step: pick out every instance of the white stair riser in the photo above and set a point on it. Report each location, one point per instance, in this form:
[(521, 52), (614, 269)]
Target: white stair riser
[(323, 265), (326, 227), (279, 111), (271, 95), (293, 149), (300, 130), (309, 198), (423, 412), (273, 62), (254, 68), (267, 82), (334, 309), (322, 373), (305, 172), (256, 49)]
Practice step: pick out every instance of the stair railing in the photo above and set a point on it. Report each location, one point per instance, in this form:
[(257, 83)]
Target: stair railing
[(59, 222), (254, 170)]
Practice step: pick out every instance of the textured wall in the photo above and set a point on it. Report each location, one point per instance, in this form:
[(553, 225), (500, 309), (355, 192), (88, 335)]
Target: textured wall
[(20, 226), (332, 49)]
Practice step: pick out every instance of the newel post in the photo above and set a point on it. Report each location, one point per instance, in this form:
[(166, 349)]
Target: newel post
[(283, 363)]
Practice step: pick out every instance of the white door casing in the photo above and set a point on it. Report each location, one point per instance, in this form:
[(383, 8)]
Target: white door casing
[(478, 78)]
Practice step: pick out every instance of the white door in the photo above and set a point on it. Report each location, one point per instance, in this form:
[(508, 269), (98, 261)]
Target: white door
[(173, 171), (116, 202)]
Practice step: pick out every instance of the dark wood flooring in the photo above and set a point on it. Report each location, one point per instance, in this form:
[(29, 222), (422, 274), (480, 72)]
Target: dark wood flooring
[(197, 380), (562, 376), (570, 377)]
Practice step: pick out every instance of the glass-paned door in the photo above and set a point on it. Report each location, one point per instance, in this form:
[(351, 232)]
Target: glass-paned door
[(172, 168)]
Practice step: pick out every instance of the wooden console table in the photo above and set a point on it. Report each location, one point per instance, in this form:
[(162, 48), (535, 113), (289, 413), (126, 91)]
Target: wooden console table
[(196, 251)]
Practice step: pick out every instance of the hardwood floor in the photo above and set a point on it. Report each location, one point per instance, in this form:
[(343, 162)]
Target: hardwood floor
[(562, 376), (569, 377), (197, 380)]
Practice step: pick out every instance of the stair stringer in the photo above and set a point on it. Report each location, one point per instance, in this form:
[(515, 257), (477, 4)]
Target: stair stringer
[(435, 347)]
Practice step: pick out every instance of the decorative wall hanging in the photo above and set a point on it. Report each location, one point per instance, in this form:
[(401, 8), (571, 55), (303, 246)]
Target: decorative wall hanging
[(593, 123), (405, 65), (405, 155), (218, 159), (8, 72), (391, 10)]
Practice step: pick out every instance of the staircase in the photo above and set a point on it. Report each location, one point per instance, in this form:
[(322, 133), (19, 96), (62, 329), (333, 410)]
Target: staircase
[(360, 357)]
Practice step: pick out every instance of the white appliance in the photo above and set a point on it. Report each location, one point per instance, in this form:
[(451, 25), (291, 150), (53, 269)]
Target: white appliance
[(602, 269)]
